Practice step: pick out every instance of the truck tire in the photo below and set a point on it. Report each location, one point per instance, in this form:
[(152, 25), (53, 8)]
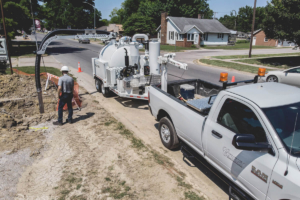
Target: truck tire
[(104, 90), (168, 134), (98, 85)]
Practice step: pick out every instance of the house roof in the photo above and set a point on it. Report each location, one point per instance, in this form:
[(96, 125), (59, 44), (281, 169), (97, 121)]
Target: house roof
[(102, 28), (257, 31), (204, 25)]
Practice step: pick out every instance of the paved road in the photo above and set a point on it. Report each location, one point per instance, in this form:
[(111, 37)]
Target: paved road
[(70, 52)]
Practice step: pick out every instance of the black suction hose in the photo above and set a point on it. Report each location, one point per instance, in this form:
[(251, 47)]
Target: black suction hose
[(38, 58)]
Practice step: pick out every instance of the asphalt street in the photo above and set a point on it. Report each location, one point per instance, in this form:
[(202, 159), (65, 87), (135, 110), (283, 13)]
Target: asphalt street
[(70, 52)]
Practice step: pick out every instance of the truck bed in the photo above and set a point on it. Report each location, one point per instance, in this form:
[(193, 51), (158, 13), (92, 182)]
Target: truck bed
[(204, 94)]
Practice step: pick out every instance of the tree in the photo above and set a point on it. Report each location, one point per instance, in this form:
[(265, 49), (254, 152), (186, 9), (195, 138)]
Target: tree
[(228, 20), (74, 13), (138, 23), (103, 22), (245, 16), (282, 20), (17, 17), (116, 16)]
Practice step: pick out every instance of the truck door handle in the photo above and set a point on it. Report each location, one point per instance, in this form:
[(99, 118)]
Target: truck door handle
[(216, 134)]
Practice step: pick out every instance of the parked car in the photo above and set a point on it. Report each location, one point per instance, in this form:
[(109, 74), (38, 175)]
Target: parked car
[(290, 76), (84, 40)]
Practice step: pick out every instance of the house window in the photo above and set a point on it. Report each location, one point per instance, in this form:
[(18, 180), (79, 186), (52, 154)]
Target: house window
[(180, 36), (172, 35), (221, 35), (266, 39), (190, 37), (205, 36)]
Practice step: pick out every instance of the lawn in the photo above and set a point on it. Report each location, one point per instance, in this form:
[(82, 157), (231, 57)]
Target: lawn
[(237, 46), (31, 70), (245, 68), (24, 50), (173, 48), (255, 56), (279, 62)]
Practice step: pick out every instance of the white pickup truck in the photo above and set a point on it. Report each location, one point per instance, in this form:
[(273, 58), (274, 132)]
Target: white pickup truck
[(250, 133)]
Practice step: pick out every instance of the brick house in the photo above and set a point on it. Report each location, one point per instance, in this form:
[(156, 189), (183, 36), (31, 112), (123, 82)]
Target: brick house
[(260, 39), (185, 32)]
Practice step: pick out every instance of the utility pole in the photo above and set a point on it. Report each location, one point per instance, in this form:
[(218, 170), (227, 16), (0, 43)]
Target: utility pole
[(3, 19), (253, 22), (34, 27), (234, 20), (215, 14)]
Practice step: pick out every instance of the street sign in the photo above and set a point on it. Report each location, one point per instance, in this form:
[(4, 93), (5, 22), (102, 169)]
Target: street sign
[(3, 50)]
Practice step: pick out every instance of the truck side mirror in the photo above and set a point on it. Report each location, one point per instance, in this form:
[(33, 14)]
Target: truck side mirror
[(247, 142)]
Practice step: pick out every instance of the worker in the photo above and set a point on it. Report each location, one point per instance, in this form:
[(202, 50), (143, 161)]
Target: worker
[(65, 88)]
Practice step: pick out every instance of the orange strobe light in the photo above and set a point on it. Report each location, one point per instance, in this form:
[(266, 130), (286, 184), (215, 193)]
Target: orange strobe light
[(261, 71), (223, 77)]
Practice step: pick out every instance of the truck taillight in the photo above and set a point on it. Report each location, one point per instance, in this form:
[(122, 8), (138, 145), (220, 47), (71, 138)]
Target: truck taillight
[(149, 97)]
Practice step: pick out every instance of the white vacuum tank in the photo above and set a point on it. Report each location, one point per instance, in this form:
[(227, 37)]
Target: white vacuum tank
[(154, 52)]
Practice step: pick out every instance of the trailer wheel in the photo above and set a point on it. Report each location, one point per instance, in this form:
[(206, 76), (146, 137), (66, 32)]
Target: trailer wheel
[(98, 85), (104, 90), (168, 134)]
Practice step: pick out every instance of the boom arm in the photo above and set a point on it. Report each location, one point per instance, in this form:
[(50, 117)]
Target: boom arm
[(164, 60)]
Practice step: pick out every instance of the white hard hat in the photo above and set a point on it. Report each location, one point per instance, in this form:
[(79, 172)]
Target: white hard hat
[(65, 68)]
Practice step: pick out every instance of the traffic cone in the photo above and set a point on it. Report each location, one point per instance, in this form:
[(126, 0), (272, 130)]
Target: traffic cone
[(232, 79), (79, 68)]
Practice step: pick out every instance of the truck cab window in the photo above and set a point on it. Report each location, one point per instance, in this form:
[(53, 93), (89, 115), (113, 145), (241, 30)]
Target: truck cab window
[(241, 119)]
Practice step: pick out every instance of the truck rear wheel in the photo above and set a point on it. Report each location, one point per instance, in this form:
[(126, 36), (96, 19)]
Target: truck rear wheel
[(168, 134), (104, 90), (98, 85)]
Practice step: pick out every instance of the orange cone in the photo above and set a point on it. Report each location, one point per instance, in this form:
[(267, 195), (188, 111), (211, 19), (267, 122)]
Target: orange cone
[(79, 68), (232, 79)]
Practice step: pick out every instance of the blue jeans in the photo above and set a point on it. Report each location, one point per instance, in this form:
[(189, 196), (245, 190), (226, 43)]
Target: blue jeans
[(65, 98)]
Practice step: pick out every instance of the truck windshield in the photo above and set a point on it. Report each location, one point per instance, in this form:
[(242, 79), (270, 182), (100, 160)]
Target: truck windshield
[(283, 120)]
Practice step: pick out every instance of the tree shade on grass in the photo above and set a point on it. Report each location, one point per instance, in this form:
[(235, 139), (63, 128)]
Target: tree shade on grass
[(256, 55), (238, 46), (239, 67)]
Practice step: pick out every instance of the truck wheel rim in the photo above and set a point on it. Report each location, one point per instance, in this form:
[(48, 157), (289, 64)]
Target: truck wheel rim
[(102, 88), (165, 133), (97, 85)]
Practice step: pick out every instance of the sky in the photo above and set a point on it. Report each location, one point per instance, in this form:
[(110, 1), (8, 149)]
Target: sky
[(222, 7)]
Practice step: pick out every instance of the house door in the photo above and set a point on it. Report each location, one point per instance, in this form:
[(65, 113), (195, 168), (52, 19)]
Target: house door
[(254, 41), (196, 39)]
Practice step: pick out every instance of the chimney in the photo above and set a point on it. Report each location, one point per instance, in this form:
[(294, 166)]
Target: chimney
[(199, 16), (163, 27)]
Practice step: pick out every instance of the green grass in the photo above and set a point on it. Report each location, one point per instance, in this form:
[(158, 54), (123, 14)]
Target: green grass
[(192, 196), (23, 50), (183, 184), (240, 67), (173, 49), (255, 56), (238, 46), (31, 70), (278, 62)]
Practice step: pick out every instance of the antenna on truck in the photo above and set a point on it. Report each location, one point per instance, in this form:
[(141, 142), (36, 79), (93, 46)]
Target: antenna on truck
[(289, 156)]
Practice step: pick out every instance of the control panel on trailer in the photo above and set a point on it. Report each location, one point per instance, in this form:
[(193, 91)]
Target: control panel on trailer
[(121, 69)]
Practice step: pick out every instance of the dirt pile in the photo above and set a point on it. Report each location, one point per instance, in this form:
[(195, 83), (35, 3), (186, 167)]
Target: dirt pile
[(19, 110)]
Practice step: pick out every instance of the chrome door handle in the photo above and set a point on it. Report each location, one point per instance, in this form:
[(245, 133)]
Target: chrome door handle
[(218, 135)]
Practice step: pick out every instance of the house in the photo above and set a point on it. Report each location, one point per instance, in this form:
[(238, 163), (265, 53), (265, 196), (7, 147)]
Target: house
[(118, 28), (185, 32), (241, 34), (260, 39)]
